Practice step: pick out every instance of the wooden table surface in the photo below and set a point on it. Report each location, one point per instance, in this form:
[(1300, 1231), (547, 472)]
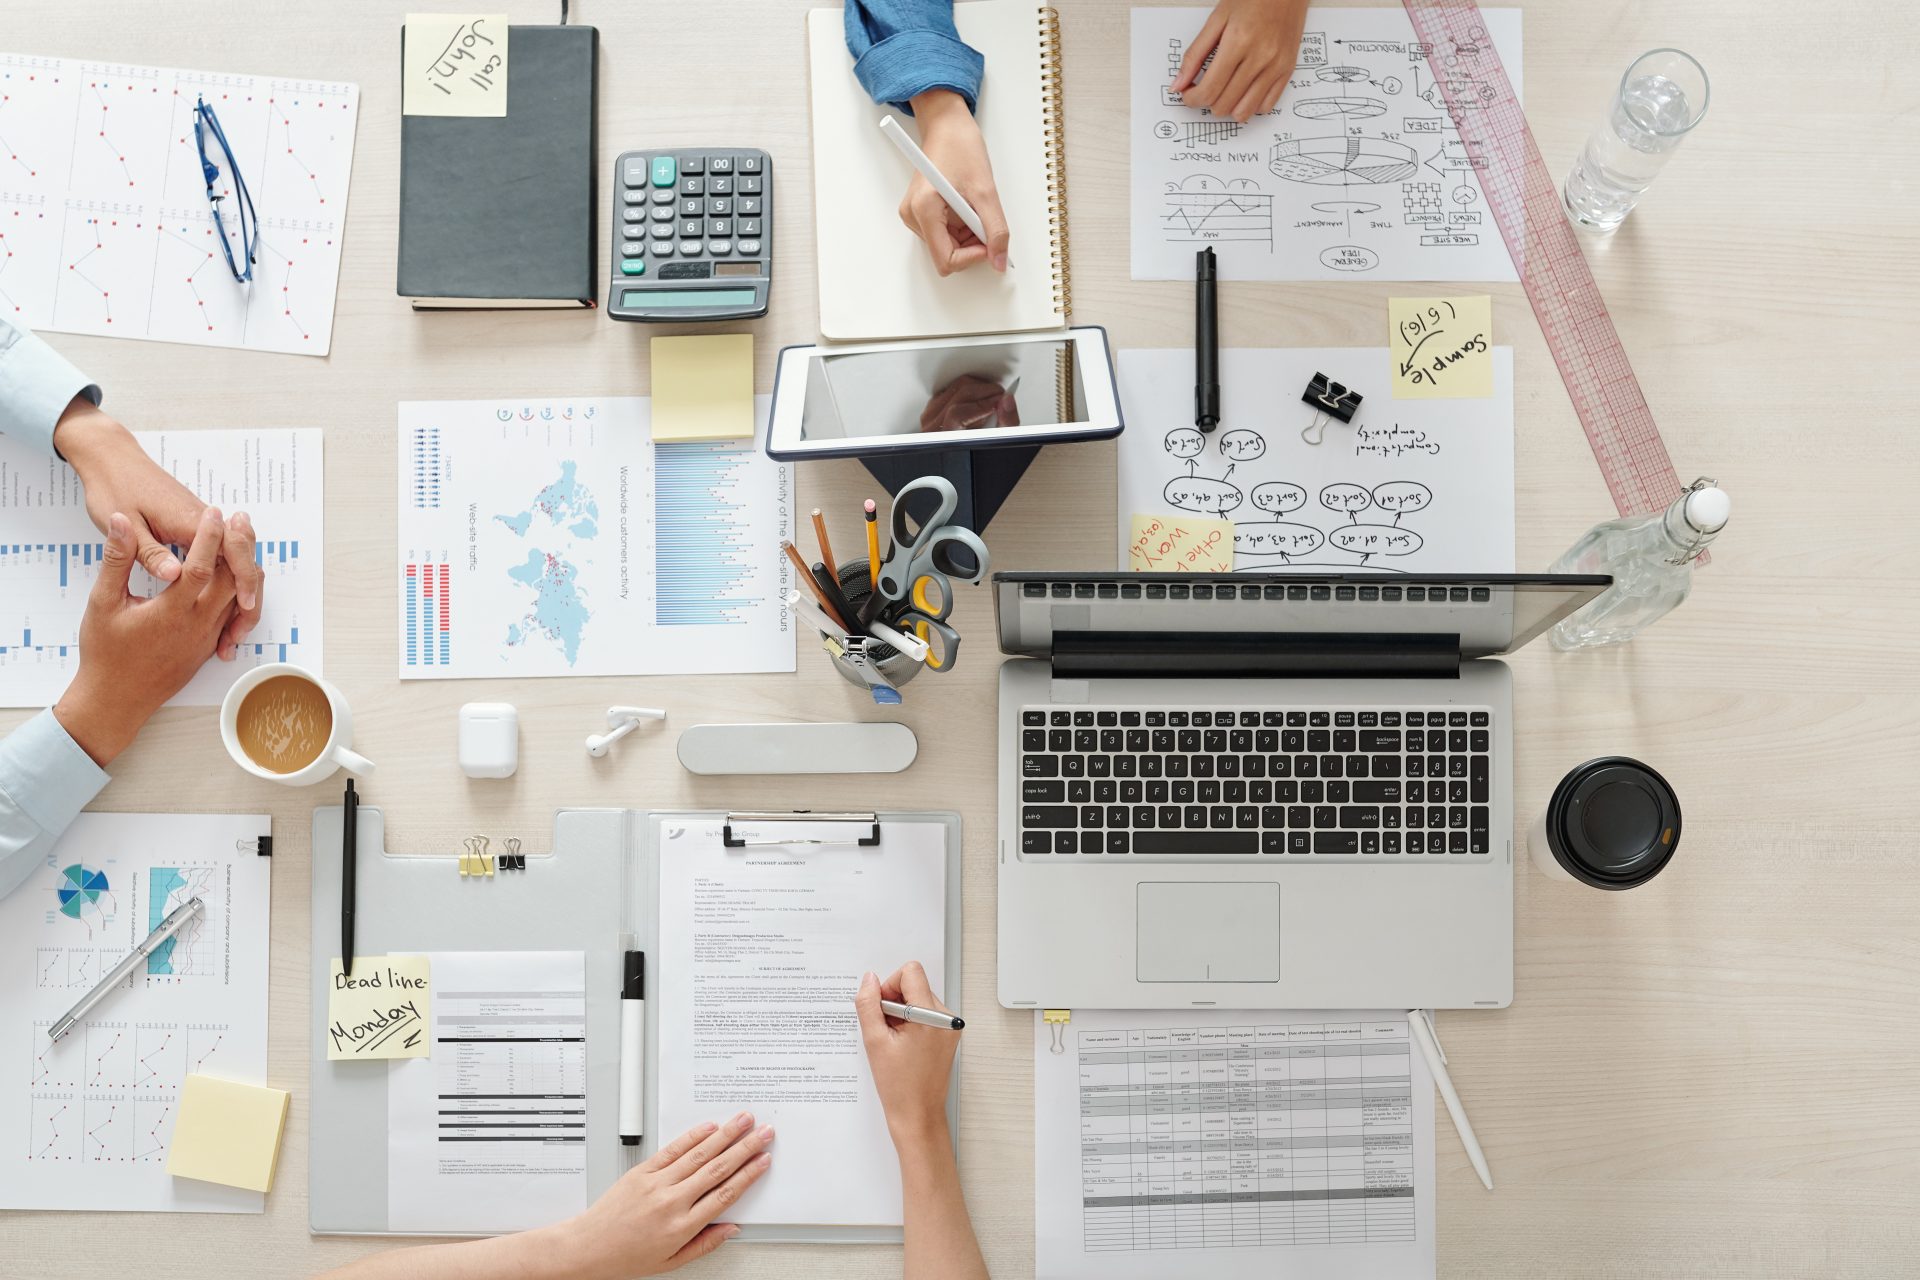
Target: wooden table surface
[(1715, 1075)]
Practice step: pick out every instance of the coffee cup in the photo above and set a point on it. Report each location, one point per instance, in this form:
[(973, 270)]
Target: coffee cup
[(285, 724), (1612, 823)]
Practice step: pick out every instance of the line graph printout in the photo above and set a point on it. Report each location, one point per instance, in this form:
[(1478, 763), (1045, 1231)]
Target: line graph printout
[(105, 226), (555, 538), (86, 1121), (1358, 169), (50, 554), (1410, 486), (1232, 1144)]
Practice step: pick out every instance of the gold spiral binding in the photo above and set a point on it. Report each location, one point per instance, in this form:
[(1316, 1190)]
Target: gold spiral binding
[(1054, 118)]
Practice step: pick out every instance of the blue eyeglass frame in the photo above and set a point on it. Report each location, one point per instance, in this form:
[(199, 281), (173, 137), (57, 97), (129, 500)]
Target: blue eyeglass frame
[(205, 122)]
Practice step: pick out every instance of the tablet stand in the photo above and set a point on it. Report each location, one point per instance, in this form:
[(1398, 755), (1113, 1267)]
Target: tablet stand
[(983, 479)]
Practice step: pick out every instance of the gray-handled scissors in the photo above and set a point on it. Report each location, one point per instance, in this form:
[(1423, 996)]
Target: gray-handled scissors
[(935, 550)]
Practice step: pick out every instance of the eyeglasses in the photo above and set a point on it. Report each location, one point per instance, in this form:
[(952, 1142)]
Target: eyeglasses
[(205, 123)]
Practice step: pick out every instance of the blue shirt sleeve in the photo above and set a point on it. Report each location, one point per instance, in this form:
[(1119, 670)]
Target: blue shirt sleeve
[(905, 47), (45, 781), (36, 386)]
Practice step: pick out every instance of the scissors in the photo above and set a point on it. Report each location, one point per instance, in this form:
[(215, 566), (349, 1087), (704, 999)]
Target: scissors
[(933, 550), (925, 616)]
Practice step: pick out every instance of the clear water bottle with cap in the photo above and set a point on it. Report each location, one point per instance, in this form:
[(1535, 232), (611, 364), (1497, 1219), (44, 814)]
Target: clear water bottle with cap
[(1651, 560)]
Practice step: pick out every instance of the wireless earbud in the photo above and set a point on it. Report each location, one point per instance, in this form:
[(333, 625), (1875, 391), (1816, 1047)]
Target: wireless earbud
[(621, 721)]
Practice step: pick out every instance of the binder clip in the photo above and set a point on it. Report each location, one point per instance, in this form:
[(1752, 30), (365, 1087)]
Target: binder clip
[(512, 859), (1333, 401), (475, 861), (1057, 1020)]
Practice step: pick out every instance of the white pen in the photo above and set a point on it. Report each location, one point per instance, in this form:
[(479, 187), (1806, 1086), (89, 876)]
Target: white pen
[(813, 615), (925, 1017), (937, 180), (175, 921), (1430, 1047), (913, 646)]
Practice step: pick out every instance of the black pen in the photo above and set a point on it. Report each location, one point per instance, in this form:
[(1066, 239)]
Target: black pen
[(349, 856), (830, 589), (1206, 342)]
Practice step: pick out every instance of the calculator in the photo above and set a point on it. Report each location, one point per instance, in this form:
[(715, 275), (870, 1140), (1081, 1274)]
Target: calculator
[(692, 235)]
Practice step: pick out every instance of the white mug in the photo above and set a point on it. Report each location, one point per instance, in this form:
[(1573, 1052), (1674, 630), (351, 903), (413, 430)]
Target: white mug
[(333, 757)]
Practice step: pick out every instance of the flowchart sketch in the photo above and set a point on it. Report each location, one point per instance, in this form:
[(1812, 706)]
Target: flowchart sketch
[(1357, 170), (105, 224)]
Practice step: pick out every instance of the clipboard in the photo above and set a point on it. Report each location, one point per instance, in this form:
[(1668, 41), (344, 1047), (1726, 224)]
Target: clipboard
[(560, 902)]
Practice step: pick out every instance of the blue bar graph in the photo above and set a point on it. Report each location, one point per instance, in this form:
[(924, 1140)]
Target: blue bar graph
[(427, 592), (426, 468), (702, 574)]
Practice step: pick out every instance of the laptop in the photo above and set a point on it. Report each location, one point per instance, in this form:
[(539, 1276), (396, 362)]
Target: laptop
[(1263, 790)]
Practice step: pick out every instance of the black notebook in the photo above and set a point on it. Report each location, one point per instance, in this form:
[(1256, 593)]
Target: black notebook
[(498, 212)]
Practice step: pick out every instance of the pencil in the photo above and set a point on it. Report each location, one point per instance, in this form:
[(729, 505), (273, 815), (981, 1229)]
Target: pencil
[(873, 546), (826, 548), (806, 577)]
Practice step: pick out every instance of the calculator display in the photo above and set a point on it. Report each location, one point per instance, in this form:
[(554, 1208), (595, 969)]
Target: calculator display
[(686, 298), (929, 389)]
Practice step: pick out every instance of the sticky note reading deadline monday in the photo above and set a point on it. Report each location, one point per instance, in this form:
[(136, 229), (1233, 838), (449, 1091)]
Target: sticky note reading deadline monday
[(1440, 348), (382, 1011), (1180, 544), (454, 64), (703, 387)]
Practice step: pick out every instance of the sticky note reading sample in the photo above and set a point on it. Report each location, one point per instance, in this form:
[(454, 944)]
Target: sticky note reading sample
[(703, 387), (381, 1011), (227, 1132), (1180, 544), (1440, 348), (454, 64)]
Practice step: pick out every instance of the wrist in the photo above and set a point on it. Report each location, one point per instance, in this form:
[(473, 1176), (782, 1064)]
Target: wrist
[(938, 109), (97, 725), (85, 432), (574, 1248), (920, 1133)]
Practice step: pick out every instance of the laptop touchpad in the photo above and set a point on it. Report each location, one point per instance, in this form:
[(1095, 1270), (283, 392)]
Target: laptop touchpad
[(1227, 932)]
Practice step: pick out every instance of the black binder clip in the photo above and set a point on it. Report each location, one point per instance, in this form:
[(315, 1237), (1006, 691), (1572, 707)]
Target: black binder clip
[(1333, 400)]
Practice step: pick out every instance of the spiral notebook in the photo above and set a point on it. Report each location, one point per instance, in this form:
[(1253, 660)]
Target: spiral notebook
[(875, 279)]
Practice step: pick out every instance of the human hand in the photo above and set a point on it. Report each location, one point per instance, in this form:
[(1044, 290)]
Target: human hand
[(951, 138), (912, 1064), (661, 1214), (1254, 44), (970, 401), (117, 475), (135, 653)]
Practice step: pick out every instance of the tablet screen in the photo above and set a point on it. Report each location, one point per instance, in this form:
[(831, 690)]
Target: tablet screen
[(929, 390)]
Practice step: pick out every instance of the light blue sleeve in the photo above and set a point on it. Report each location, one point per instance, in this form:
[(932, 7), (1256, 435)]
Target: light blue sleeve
[(36, 386), (45, 780), (902, 48)]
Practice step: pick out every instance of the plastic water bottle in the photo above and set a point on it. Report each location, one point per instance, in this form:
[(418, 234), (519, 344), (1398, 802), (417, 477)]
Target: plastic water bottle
[(1661, 98), (1651, 560)]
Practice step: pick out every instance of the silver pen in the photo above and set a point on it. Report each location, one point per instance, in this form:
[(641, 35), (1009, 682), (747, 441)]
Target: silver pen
[(925, 1017), (175, 921)]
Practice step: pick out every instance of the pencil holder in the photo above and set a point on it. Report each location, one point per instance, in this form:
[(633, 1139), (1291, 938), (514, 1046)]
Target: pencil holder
[(856, 584)]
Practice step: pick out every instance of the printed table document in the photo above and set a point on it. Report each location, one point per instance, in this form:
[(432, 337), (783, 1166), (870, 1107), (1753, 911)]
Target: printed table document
[(1232, 1144), (88, 1119), (761, 949), (488, 1133)]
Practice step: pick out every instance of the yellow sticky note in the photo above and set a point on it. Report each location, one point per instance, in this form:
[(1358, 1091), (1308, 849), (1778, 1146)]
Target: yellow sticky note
[(1440, 348), (382, 1011), (454, 64), (227, 1132), (1180, 544), (703, 387)]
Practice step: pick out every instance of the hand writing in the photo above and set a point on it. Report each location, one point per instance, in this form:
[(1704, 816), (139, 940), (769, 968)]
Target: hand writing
[(911, 1064), (951, 138), (967, 403), (1254, 44)]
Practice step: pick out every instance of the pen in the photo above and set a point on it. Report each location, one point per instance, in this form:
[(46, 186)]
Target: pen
[(349, 858), (811, 614), (937, 180), (633, 1045), (912, 646), (1417, 1019), (1206, 342), (873, 544), (830, 593), (175, 921), (924, 1017), (806, 576), (820, 533)]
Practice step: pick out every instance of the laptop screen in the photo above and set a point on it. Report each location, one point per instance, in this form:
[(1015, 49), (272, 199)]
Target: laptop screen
[(1484, 615)]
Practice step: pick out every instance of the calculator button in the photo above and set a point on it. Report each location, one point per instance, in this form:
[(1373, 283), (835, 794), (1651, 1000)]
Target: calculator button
[(719, 248), (693, 186), (662, 232), (720, 226), (633, 215), (633, 267), (635, 232), (747, 186), (632, 247), (749, 226), (719, 208), (693, 164), (661, 215), (720, 164), (719, 186), (749, 164), (693, 208), (633, 197), (749, 247), (663, 171), (689, 248), (634, 173), (749, 206), (691, 229), (663, 197)]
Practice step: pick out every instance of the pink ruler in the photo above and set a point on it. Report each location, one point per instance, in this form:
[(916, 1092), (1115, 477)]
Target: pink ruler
[(1546, 254)]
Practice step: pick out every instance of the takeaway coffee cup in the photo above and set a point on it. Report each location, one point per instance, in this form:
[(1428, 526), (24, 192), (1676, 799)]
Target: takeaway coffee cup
[(1612, 823)]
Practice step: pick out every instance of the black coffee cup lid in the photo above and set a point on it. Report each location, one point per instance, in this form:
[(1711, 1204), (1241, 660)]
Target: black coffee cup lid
[(1613, 823)]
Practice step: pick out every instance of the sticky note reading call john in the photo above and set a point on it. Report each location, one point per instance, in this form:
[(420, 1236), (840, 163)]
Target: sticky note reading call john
[(381, 1011)]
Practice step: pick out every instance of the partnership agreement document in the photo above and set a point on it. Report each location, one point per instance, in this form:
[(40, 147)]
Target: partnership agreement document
[(1224, 1144), (760, 951), (489, 1132)]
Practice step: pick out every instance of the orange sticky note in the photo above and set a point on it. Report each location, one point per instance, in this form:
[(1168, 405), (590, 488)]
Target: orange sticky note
[(1180, 543)]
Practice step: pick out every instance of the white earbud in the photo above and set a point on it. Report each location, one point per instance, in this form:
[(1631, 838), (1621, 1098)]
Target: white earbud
[(621, 721)]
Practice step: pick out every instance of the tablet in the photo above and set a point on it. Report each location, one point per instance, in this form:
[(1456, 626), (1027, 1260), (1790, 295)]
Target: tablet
[(943, 393)]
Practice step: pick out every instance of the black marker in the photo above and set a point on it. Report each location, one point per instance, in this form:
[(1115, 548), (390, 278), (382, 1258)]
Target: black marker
[(633, 1044), (1206, 342), (349, 864)]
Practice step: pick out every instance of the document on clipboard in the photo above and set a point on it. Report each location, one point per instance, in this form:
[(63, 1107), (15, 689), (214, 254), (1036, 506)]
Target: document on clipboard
[(767, 924)]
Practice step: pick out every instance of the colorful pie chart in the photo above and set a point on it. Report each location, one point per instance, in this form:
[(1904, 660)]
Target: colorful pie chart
[(80, 887)]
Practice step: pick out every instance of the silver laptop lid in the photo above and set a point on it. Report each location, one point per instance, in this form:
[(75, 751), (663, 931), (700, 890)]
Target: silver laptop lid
[(1196, 615)]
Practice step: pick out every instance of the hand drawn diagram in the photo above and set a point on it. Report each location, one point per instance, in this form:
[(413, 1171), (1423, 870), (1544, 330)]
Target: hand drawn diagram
[(1357, 169), (1410, 486), (105, 225)]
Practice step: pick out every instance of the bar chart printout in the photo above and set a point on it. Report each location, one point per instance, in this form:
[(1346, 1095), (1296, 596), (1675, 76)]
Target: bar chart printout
[(553, 538)]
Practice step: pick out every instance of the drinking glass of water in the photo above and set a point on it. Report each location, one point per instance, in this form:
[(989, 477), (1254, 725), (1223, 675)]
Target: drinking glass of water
[(1661, 98)]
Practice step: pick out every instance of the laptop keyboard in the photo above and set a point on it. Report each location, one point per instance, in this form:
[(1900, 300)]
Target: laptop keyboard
[(1379, 785)]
